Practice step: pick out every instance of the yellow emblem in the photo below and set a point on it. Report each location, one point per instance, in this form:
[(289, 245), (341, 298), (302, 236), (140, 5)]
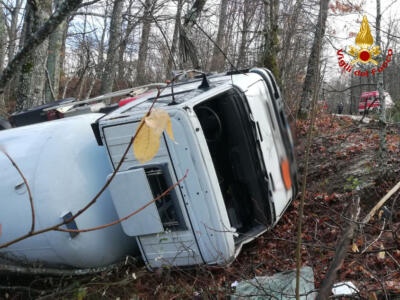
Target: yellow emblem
[(364, 40)]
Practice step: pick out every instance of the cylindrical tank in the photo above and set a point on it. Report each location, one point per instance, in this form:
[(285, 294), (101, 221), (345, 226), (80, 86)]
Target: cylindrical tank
[(64, 168)]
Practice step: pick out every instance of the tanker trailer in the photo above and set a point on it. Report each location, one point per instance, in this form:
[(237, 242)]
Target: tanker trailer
[(64, 168)]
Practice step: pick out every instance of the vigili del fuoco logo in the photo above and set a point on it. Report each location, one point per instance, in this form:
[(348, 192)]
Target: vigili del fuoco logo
[(365, 53)]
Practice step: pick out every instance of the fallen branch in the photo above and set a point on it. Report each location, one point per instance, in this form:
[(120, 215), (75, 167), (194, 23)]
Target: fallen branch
[(381, 202), (28, 270), (340, 253)]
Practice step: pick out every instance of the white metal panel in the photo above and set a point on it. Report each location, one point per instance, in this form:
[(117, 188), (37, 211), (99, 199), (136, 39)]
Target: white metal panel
[(271, 146), (201, 190), (65, 168), (175, 248), (171, 248), (118, 138), (130, 191)]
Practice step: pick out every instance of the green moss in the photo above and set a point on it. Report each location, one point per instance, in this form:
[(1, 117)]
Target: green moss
[(27, 67), (269, 62)]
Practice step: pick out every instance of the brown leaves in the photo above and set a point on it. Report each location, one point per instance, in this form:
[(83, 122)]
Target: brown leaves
[(147, 141)]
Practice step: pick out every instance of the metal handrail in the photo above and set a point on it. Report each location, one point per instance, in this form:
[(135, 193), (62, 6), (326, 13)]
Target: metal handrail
[(111, 95)]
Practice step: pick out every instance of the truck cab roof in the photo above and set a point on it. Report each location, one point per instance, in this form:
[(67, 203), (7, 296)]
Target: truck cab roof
[(185, 94)]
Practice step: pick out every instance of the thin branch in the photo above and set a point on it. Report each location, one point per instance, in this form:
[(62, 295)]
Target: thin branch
[(10, 9), (88, 3), (166, 192), (162, 33), (350, 87), (216, 45), (19, 288), (378, 237), (27, 270), (27, 188)]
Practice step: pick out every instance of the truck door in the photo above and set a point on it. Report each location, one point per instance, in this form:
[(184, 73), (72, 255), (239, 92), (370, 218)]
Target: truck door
[(163, 229)]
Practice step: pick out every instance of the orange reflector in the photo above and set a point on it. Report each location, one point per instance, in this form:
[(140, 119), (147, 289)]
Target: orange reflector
[(285, 171)]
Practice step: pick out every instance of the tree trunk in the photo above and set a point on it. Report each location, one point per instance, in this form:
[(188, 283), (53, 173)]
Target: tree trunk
[(290, 32), (54, 60), (310, 83), (110, 68), (174, 38), (100, 61), (382, 116), (243, 39), (92, 81), (32, 75), (13, 29), (271, 41), (144, 44), (3, 44), (218, 59), (3, 38), (63, 46), (124, 43)]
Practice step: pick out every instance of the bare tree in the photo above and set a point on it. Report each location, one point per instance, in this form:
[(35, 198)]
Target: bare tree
[(3, 38), (289, 33), (32, 76), (131, 24), (309, 83), (218, 59), (271, 41), (382, 117), (144, 42), (12, 28), (54, 60), (110, 69), (249, 9), (174, 44)]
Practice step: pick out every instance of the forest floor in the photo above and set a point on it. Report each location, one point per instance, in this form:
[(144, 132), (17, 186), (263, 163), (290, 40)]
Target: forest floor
[(343, 165)]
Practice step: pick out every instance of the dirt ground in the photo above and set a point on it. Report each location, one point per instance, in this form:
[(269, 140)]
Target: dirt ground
[(344, 164)]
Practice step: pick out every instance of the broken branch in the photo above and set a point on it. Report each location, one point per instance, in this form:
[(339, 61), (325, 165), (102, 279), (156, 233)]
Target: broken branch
[(381, 202), (340, 253)]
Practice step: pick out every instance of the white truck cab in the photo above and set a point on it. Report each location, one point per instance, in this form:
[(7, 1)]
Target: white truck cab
[(232, 137)]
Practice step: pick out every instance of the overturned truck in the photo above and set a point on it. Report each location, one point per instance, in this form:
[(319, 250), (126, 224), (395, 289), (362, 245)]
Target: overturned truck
[(231, 138)]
